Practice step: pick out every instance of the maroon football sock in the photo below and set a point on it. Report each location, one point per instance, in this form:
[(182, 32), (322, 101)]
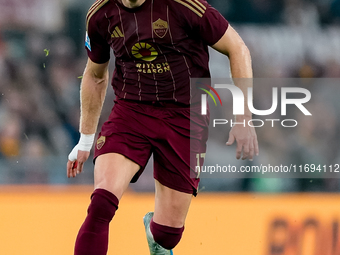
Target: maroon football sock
[(93, 235), (167, 237)]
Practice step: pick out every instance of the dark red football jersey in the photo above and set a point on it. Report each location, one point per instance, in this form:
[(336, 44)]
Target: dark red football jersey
[(158, 46)]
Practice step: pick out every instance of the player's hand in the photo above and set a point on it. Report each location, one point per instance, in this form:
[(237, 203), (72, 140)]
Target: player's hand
[(246, 140), (75, 164), (79, 155)]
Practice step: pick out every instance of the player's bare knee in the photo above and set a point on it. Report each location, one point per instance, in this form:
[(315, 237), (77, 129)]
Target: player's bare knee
[(176, 219)]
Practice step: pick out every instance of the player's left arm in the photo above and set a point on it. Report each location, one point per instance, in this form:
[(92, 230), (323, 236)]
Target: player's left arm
[(232, 45)]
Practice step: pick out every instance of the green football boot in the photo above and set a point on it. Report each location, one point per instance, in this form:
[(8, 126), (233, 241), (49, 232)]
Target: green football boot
[(155, 248)]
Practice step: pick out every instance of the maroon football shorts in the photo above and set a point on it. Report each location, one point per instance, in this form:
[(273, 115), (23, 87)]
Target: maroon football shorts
[(174, 134)]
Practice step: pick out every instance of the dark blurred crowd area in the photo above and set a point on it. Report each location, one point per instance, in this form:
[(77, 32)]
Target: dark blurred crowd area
[(40, 75), (292, 12)]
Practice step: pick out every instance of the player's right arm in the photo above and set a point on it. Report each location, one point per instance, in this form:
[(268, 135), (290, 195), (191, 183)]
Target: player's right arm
[(92, 95)]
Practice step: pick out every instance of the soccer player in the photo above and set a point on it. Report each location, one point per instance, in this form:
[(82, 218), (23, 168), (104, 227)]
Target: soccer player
[(158, 46)]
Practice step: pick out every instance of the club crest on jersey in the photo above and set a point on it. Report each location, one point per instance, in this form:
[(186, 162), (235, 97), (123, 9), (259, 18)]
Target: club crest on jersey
[(100, 142), (87, 41), (160, 28)]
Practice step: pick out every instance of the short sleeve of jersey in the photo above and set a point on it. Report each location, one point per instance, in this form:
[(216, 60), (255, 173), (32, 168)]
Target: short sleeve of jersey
[(96, 46), (212, 25)]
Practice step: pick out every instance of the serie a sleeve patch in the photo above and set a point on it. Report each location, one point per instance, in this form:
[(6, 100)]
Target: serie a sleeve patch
[(87, 42)]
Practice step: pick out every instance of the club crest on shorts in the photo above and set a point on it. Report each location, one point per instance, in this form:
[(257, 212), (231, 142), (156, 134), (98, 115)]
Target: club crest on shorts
[(100, 142), (160, 27)]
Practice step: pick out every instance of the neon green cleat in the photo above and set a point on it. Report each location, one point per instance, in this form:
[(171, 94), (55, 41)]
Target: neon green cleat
[(155, 248)]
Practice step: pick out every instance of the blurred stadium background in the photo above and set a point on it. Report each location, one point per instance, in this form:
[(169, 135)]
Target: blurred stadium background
[(42, 57)]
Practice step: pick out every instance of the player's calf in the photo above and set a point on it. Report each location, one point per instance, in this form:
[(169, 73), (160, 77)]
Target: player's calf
[(92, 238)]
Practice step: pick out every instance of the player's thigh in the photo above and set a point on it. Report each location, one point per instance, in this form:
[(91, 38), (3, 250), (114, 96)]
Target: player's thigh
[(171, 206), (113, 172)]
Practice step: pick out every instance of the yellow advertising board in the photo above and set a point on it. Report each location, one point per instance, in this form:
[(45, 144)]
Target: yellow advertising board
[(45, 220)]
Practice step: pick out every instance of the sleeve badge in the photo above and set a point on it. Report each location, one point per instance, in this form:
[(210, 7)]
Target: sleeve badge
[(87, 41)]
